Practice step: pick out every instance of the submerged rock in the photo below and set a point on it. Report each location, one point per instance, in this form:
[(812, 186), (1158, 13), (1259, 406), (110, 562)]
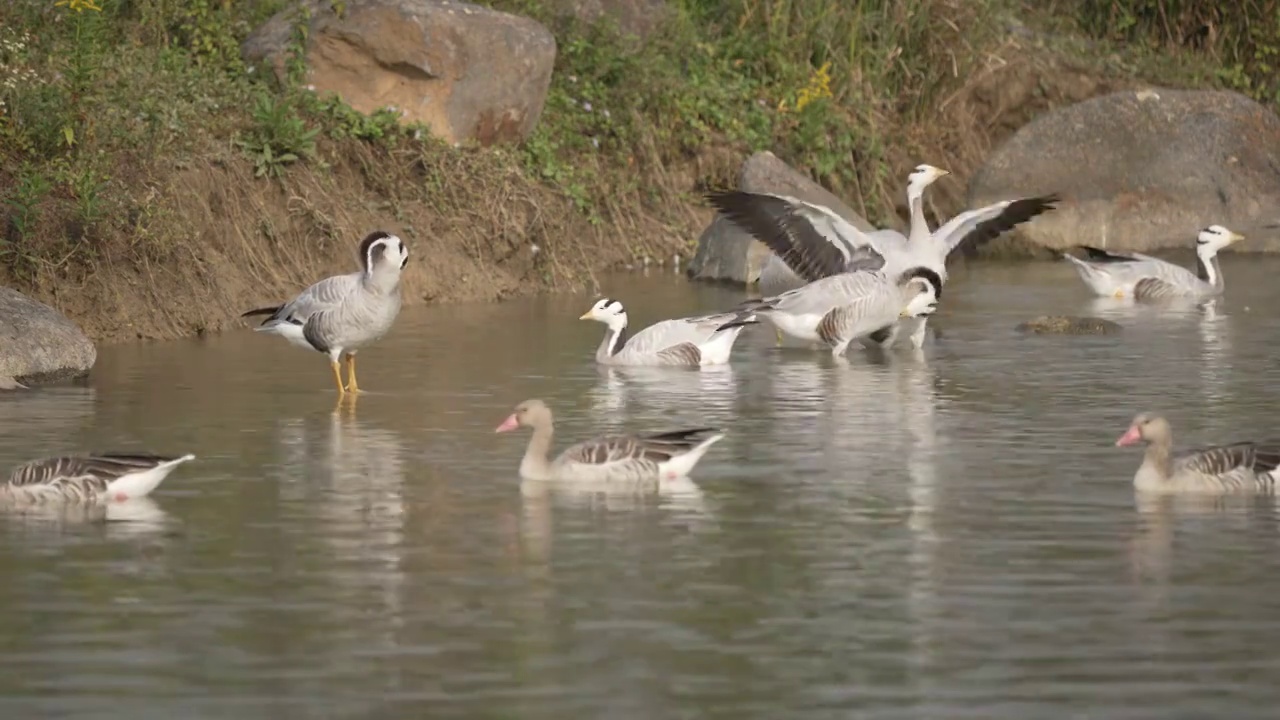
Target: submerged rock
[(1142, 170), (1069, 325), (466, 71), (38, 343), (729, 254)]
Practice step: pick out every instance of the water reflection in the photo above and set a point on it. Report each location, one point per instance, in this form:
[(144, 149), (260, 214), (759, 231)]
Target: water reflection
[(710, 392), (138, 517)]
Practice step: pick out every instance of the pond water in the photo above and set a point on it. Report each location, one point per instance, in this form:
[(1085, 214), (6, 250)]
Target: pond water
[(946, 536)]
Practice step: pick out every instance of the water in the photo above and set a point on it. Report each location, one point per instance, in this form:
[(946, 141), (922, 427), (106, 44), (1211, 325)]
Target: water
[(952, 537)]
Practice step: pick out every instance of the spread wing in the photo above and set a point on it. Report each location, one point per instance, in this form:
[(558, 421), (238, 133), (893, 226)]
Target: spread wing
[(812, 240), (971, 229)]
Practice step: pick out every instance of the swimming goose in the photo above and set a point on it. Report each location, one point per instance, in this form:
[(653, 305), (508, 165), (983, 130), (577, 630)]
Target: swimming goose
[(1244, 467), (838, 309), (344, 313), (88, 478), (1145, 278), (634, 459), (813, 241), (691, 341)]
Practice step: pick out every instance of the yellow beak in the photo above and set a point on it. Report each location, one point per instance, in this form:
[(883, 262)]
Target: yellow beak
[(586, 315), (1236, 237)]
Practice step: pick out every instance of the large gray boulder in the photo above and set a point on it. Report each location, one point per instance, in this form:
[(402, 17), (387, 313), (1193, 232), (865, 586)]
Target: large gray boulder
[(729, 254), (39, 344), (1142, 170), (466, 71)]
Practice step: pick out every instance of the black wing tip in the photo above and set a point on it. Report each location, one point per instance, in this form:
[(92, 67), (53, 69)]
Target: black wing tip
[(261, 311)]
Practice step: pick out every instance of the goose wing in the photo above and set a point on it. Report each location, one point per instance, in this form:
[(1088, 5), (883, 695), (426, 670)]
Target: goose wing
[(656, 448), (100, 469), (323, 295), (820, 296), (666, 334), (1222, 460), (974, 228), (811, 239)]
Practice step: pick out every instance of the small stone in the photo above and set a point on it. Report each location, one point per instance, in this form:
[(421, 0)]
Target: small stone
[(1069, 325)]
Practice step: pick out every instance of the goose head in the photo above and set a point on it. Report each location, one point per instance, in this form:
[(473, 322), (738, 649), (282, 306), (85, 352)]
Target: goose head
[(1146, 428), (610, 312), (381, 251), (530, 413), (922, 177), (1213, 239), (920, 299)]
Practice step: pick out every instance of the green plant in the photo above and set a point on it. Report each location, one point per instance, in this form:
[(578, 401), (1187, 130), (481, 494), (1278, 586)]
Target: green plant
[(24, 203), (278, 136)]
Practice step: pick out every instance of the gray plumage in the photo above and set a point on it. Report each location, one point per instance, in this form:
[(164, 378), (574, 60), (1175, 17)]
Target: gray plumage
[(1238, 468), (1149, 279), (688, 342), (88, 478)]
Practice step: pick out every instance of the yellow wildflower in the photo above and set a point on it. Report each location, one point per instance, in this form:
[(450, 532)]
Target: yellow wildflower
[(79, 5), (819, 87)]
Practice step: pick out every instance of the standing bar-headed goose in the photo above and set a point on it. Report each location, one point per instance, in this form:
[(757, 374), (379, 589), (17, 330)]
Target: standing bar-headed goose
[(839, 309), (690, 342), (1244, 467), (89, 478), (1145, 278), (344, 313), (815, 242), (633, 459)]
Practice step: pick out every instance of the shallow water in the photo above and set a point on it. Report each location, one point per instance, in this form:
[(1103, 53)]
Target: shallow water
[(946, 537)]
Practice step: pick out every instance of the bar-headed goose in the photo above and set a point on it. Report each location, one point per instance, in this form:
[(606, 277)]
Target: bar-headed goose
[(1145, 278), (839, 309), (344, 313), (1244, 467), (813, 240), (97, 478), (690, 342), (633, 459)]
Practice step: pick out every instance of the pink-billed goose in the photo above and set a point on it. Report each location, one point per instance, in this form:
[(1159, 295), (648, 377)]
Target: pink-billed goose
[(689, 342), (633, 459), (1145, 278), (93, 479), (1244, 467), (815, 242)]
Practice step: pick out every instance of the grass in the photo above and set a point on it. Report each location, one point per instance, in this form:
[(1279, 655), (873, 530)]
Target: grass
[(103, 102)]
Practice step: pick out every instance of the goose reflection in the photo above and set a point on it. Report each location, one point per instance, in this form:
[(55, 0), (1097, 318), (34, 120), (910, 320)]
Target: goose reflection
[(349, 477), (136, 517), (638, 391)]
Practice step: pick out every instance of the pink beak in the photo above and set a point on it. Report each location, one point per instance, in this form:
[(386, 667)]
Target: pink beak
[(1130, 437), (511, 423)]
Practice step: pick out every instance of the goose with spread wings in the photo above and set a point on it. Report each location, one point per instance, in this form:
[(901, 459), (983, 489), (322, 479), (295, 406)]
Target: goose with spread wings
[(89, 479), (689, 342), (814, 241), (629, 460), (1238, 468), (1148, 279), (344, 313)]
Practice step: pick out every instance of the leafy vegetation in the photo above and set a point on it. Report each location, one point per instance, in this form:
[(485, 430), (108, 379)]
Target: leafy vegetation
[(97, 96)]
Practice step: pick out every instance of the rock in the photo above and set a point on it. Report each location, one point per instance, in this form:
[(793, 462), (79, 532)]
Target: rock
[(730, 254), (633, 17), (466, 71), (1069, 325), (1141, 170), (38, 343)]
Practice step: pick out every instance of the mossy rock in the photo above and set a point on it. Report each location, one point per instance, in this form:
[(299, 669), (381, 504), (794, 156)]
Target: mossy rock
[(1069, 325)]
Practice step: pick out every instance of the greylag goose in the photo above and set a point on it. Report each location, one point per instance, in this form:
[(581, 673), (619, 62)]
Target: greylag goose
[(838, 309), (1145, 278), (691, 341), (89, 478), (344, 313), (1244, 467), (633, 459), (814, 241)]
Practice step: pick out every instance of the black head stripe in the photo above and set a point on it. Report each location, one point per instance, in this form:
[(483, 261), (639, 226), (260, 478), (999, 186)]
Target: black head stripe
[(929, 276), (367, 244)]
